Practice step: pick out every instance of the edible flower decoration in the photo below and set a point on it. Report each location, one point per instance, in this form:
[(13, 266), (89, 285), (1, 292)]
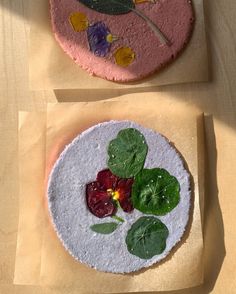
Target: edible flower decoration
[(124, 56), (79, 21), (107, 193), (128, 185), (143, 1), (100, 39)]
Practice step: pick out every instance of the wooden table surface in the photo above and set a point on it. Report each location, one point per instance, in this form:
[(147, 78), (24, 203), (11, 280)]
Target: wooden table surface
[(216, 97)]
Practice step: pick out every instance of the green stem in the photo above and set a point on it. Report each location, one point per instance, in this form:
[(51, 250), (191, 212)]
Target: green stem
[(118, 218), (118, 204), (153, 26)]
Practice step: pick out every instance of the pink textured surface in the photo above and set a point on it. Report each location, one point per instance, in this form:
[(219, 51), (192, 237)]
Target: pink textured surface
[(174, 18)]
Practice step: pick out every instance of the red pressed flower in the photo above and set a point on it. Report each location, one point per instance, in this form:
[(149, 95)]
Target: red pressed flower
[(106, 192)]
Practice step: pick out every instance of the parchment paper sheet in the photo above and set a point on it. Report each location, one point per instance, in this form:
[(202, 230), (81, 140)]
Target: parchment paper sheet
[(51, 68), (57, 268), (32, 127)]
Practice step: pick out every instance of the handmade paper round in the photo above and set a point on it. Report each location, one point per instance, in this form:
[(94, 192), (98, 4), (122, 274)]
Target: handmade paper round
[(126, 46), (77, 166)]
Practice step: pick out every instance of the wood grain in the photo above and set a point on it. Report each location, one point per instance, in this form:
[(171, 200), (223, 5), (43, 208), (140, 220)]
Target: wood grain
[(216, 97), (14, 95)]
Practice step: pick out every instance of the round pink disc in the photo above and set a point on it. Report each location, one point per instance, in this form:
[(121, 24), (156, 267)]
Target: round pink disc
[(174, 18)]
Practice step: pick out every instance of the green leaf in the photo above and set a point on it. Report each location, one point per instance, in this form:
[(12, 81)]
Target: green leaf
[(105, 228), (113, 7), (155, 191), (127, 153), (147, 237)]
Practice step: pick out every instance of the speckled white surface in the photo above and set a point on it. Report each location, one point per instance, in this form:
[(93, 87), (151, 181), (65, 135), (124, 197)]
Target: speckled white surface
[(78, 165)]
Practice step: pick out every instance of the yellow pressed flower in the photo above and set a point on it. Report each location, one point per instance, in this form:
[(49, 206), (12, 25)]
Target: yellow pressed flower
[(142, 1), (79, 21), (124, 56)]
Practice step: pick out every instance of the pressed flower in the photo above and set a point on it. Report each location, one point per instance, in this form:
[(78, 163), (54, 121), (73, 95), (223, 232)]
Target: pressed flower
[(100, 39), (124, 56), (142, 1), (79, 21), (104, 195)]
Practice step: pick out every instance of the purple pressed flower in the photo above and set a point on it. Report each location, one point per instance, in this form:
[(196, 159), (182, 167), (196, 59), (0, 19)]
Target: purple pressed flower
[(99, 38)]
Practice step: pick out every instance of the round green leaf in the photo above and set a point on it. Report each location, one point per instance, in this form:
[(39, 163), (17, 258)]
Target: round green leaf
[(105, 228), (155, 191), (113, 7), (147, 237), (127, 153)]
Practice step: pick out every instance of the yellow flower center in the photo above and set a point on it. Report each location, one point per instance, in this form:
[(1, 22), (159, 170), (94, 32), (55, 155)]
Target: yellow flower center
[(114, 194), (110, 38)]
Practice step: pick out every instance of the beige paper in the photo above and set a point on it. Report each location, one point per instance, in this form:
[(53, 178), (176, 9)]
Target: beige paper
[(32, 128), (51, 68), (176, 121)]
